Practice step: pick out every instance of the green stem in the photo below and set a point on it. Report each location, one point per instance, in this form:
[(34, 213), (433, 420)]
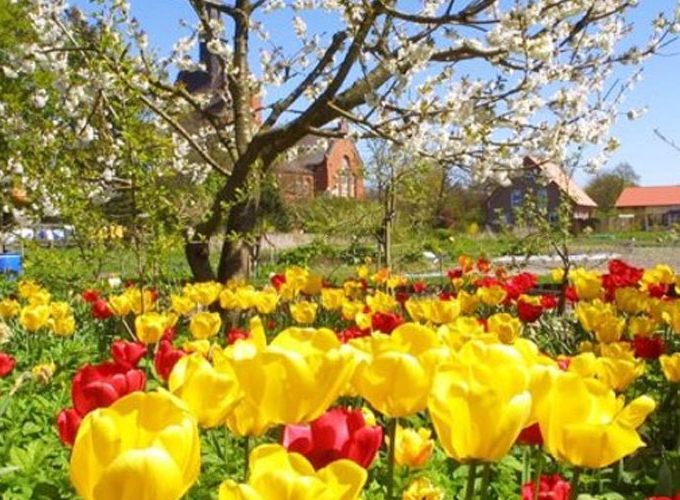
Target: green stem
[(246, 454), (470, 486), (539, 471), (486, 479), (392, 435), (574, 483)]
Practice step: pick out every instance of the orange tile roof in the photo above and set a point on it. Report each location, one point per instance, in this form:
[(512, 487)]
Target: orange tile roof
[(649, 196)]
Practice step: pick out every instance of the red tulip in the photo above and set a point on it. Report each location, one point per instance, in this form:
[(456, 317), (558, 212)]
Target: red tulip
[(353, 332), (7, 363), (648, 347), (419, 287), (531, 436), (90, 296), (101, 310), (165, 358), (386, 322), (549, 301), (169, 334), (550, 488), (237, 334), (674, 497), (338, 433), (127, 354), (528, 312), (68, 422), (98, 386), (277, 280)]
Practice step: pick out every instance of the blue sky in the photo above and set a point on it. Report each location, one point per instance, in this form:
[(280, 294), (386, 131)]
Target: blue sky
[(659, 90)]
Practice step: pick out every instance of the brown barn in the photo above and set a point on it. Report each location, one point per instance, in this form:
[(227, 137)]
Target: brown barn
[(548, 182)]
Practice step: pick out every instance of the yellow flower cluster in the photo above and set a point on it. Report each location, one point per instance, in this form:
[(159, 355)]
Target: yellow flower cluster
[(38, 311)]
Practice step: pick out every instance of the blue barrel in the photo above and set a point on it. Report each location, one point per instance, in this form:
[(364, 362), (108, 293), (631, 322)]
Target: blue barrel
[(10, 263)]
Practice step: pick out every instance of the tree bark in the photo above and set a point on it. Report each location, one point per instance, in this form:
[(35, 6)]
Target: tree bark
[(235, 255), (198, 257)]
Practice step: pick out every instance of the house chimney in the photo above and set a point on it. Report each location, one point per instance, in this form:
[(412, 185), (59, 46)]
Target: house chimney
[(209, 60)]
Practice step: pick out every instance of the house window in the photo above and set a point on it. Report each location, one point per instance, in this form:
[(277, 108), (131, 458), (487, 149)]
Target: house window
[(516, 197), (344, 185), (542, 197)]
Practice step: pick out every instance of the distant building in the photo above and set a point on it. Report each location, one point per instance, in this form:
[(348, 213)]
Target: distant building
[(546, 181), (333, 170), (649, 206)]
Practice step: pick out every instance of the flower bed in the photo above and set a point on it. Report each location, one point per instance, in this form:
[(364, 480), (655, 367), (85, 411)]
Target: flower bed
[(375, 386)]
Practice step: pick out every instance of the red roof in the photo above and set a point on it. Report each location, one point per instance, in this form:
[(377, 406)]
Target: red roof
[(650, 196)]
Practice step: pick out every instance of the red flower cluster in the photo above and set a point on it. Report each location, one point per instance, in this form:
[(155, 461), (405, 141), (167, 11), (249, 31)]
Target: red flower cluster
[(520, 284), (277, 280), (99, 386), (648, 347), (338, 433), (528, 312), (237, 334), (353, 332), (386, 322), (552, 487), (7, 364), (166, 357), (100, 309), (621, 275), (531, 436)]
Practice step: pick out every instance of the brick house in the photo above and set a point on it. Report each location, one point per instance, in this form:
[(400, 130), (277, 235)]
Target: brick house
[(546, 181), (331, 167), (648, 206), (334, 168)]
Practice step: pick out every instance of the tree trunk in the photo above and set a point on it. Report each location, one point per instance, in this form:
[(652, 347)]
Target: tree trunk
[(235, 255), (198, 257)]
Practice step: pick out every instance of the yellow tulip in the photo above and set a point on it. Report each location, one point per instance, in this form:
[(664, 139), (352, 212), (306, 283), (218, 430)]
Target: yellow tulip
[(63, 326), (202, 346), (456, 334), (422, 489), (661, 274), (480, 401), (27, 288), (41, 297), (9, 308), (491, 295), (209, 393), (140, 302), (143, 447), (468, 302), (442, 311), (671, 366), (332, 298), (630, 300), (150, 327), (120, 305), (60, 310), (304, 312), (205, 325), (672, 316), (202, 293), (33, 318), (583, 422), (507, 327), (413, 447), (313, 284), (397, 376), (282, 380), (619, 373), (588, 284), (182, 305), (643, 326), (266, 301), (601, 320), (43, 372), (381, 302), (276, 474)]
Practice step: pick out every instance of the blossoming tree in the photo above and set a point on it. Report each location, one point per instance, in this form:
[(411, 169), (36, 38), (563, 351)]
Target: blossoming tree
[(472, 84)]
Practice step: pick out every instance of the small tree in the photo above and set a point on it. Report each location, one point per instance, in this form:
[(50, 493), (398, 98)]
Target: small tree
[(607, 185)]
